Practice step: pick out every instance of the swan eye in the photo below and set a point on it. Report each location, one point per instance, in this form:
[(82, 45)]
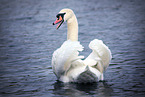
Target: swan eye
[(60, 14), (58, 18)]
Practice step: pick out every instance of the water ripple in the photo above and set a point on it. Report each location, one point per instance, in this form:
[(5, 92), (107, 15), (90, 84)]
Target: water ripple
[(28, 39)]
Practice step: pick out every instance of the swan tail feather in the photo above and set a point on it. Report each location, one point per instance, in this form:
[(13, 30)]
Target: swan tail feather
[(87, 76)]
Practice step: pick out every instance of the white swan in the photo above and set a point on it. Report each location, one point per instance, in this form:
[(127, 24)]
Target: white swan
[(67, 65)]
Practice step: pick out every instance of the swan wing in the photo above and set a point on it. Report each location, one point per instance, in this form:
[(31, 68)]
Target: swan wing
[(100, 56), (64, 56)]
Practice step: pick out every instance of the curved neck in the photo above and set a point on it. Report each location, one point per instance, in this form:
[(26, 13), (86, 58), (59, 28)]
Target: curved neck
[(72, 29)]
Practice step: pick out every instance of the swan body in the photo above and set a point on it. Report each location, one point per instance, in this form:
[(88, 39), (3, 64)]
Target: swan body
[(68, 65)]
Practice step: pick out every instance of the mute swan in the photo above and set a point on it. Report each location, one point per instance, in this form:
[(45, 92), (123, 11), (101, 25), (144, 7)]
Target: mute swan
[(67, 65)]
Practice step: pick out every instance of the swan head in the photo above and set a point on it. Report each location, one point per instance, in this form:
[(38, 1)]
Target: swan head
[(62, 16)]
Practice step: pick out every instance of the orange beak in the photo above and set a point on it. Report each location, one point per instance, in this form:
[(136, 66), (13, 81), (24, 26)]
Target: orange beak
[(58, 20)]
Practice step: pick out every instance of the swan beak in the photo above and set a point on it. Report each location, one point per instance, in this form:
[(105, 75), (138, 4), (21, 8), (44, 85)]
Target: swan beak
[(58, 20)]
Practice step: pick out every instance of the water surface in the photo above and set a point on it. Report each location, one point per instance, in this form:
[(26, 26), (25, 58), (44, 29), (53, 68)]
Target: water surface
[(28, 39)]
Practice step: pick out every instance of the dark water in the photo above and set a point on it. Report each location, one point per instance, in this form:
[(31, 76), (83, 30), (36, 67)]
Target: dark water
[(28, 39)]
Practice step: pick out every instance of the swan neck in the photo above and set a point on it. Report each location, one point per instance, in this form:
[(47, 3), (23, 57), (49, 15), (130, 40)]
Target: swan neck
[(72, 29)]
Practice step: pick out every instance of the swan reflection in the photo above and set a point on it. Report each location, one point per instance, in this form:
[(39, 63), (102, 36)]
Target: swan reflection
[(77, 90)]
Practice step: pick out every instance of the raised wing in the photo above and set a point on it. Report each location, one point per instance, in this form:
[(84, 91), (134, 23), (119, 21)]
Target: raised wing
[(100, 56), (64, 56)]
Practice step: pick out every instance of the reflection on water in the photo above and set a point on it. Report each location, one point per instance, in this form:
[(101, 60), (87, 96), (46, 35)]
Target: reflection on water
[(78, 90), (28, 39)]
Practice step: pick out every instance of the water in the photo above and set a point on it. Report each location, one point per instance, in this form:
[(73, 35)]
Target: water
[(28, 39)]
